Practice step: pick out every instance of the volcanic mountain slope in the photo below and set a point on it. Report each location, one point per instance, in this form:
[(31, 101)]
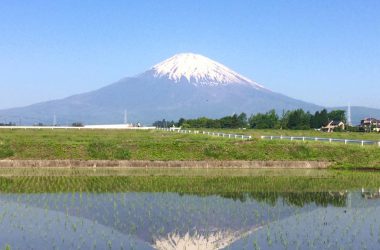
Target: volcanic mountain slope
[(185, 85)]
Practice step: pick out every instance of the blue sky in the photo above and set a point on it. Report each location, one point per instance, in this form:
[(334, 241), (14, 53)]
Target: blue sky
[(323, 51)]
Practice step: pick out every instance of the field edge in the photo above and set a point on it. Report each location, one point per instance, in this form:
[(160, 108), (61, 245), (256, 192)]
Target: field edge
[(163, 164)]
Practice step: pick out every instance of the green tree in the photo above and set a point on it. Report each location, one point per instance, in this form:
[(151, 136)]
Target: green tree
[(319, 119), (298, 119), (242, 119), (264, 121), (337, 115), (180, 122)]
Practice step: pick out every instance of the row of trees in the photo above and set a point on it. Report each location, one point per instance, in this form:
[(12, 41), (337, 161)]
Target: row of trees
[(295, 119), (234, 121)]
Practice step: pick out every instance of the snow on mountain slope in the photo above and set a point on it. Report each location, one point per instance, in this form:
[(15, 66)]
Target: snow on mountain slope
[(185, 85), (199, 71)]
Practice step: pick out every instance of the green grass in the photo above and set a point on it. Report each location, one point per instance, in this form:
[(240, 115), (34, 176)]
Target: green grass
[(256, 133), (158, 145), (266, 186), (18, 180), (296, 187), (107, 150)]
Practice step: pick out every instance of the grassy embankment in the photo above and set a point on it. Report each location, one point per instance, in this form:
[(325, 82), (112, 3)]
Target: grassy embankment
[(157, 145)]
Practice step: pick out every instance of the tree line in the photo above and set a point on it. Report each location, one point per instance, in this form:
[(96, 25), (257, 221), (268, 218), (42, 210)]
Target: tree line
[(8, 124), (294, 119)]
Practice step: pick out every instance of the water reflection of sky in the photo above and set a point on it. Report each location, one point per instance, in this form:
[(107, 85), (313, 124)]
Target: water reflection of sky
[(164, 220)]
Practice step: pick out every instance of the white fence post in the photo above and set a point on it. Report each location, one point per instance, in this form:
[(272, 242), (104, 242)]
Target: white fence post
[(330, 140)]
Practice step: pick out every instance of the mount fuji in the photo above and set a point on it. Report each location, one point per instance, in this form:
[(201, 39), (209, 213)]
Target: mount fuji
[(185, 85)]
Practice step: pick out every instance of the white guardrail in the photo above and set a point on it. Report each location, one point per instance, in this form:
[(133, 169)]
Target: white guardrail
[(305, 138), (231, 136)]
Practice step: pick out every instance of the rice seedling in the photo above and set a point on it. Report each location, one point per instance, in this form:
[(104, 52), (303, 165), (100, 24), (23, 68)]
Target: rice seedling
[(255, 210)]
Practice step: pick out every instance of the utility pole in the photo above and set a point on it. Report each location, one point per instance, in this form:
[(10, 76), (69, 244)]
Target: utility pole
[(125, 117), (349, 121)]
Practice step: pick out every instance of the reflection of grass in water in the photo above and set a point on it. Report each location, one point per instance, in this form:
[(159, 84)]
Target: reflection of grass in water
[(294, 189), (150, 181), (261, 188), (109, 213)]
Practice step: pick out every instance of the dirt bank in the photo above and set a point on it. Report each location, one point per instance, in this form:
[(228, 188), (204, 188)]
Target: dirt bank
[(163, 164)]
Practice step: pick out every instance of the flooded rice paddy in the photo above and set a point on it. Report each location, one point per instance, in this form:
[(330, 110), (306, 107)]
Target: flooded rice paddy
[(188, 209)]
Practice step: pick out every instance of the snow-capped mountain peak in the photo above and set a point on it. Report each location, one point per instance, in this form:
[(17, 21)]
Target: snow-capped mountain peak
[(198, 70)]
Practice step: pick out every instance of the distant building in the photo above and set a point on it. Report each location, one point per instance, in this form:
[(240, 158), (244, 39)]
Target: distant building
[(369, 124), (174, 128), (333, 125)]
